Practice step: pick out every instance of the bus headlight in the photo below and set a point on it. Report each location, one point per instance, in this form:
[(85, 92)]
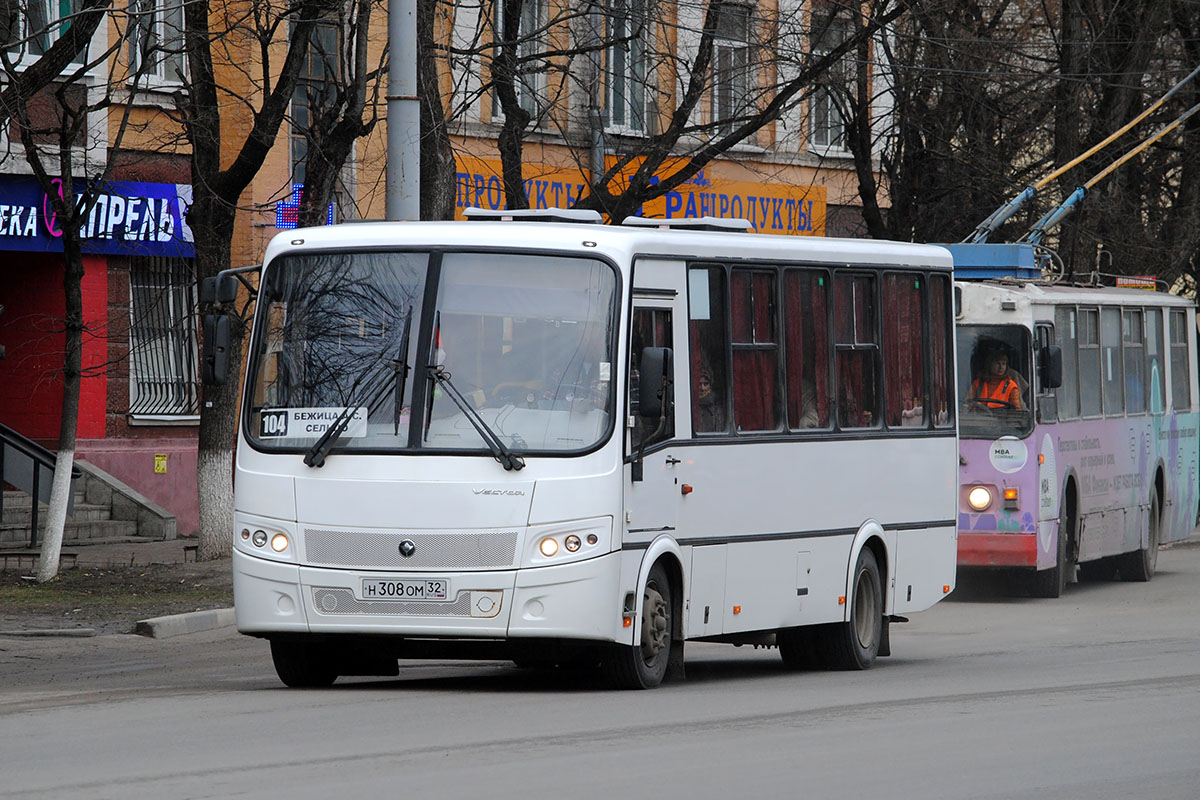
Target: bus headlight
[(259, 538), (279, 542), (979, 498), (549, 546), (572, 542)]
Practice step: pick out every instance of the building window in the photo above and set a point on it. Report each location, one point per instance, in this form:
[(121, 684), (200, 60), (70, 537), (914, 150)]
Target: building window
[(731, 64), (626, 77), (530, 80), (315, 88), (34, 25), (829, 104), (156, 40), (163, 355)]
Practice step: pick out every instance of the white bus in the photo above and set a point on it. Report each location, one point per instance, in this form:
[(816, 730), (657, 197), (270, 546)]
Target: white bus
[(1094, 461), (557, 442)]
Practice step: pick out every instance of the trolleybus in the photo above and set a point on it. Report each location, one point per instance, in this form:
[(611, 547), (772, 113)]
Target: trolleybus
[(559, 442), (1093, 463)]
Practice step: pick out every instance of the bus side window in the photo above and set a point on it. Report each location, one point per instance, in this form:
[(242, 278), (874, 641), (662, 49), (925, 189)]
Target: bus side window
[(1133, 349), (806, 339), (856, 351), (651, 328), (755, 348), (708, 349), (940, 332), (1089, 362), (1047, 397), (904, 350)]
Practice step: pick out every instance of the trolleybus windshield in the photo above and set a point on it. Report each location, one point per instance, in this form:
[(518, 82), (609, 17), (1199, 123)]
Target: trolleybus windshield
[(994, 381)]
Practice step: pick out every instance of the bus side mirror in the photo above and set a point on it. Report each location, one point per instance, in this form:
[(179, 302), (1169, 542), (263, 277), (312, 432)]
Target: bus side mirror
[(214, 364), (1051, 366), (221, 289), (655, 395)]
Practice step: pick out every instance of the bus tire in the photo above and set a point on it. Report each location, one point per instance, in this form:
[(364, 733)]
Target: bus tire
[(1139, 565), (1102, 569), (301, 665), (854, 644), (644, 665)]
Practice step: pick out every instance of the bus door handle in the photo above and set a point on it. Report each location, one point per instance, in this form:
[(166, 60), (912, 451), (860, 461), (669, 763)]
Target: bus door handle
[(672, 461)]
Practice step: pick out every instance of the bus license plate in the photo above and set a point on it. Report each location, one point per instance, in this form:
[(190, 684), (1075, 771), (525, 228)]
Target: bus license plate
[(426, 589)]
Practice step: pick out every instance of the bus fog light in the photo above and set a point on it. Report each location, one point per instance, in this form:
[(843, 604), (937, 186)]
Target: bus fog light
[(549, 547), (592, 538), (279, 542), (245, 534), (260, 538), (572, 542), (979, 498)]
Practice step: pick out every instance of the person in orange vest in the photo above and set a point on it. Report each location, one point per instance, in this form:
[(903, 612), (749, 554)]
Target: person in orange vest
[(995, 388)]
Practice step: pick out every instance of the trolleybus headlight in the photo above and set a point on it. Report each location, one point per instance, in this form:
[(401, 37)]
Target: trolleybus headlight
[(572, 542), (979, 498), (548, 546), (279, 542), (260, 538)]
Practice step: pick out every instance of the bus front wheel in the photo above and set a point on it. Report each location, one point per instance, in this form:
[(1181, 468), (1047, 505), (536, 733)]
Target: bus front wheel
[(1139, 565), (854, 644), (302, 665), (644, 665)]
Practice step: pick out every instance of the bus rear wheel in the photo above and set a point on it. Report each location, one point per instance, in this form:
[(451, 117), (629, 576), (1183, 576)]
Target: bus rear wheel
[(1139, 565), (644, 665), (302, 665)]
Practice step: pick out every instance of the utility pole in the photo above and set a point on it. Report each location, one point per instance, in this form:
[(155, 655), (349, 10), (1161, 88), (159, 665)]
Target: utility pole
[(403, 114)]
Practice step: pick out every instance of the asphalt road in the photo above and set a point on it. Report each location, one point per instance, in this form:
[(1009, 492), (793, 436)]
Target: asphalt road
[(1093, 695)]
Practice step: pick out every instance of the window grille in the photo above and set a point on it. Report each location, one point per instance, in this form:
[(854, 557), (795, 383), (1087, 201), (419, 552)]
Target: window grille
[(163, 357)]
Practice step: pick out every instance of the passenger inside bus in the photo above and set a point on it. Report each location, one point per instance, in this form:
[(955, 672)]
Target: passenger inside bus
[(712, 405), (997, 386)]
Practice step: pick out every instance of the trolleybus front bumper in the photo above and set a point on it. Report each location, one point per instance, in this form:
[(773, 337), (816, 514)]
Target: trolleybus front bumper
[(997, 549)]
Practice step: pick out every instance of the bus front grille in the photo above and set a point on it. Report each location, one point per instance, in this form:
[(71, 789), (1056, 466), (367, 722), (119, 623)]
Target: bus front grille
[(440, 550), (343, 601)]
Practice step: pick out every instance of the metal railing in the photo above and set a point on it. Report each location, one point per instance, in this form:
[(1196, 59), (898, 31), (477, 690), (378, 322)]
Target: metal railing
[(29, 467)]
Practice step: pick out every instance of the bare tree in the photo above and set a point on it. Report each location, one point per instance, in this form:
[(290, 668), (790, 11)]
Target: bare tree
[(51, 122)]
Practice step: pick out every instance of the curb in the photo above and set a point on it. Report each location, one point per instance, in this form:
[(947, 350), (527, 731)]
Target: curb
[(77, 633), (178, 624)]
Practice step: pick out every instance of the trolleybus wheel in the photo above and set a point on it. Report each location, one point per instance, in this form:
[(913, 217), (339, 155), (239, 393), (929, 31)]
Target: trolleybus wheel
[(854, 644), (302, 666), (644, 665), (1140, 564), (1053, 582)]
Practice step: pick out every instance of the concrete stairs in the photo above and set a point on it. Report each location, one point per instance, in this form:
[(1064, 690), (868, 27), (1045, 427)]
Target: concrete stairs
[(104, 510)]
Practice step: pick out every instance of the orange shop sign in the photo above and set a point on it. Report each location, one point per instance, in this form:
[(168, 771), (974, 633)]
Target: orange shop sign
[(769, 207)]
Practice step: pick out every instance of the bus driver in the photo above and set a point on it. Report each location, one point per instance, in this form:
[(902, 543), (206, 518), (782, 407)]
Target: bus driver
[(995, 387)]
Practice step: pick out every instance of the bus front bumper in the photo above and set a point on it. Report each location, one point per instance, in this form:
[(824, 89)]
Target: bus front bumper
[(997, 549), (573, 601)]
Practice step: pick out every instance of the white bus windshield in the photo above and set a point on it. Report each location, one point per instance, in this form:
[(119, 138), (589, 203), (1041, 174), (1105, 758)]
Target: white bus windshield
[(993, 381), (527, 340)]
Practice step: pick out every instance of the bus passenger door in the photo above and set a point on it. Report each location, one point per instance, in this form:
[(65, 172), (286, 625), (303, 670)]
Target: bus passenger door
[(654, 487)]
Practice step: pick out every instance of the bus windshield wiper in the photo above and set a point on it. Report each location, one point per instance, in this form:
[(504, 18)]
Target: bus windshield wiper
[(501, 451), (393, 371)]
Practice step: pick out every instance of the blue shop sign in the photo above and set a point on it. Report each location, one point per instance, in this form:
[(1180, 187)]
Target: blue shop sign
[(129, 218)]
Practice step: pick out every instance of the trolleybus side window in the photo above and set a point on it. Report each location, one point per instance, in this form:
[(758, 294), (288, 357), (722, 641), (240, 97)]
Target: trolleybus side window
[(856, 350), (1066, 333), (1181, 378), (1155, 368), (904, 350), (1047, 397), (940, 364), (1089, 362), (755, 350), (1111, 368), (806, 343), (1133, 349), (707, 348)]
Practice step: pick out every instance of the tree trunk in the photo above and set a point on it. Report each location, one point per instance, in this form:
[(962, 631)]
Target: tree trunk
[(60, 490), (437, 156)]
